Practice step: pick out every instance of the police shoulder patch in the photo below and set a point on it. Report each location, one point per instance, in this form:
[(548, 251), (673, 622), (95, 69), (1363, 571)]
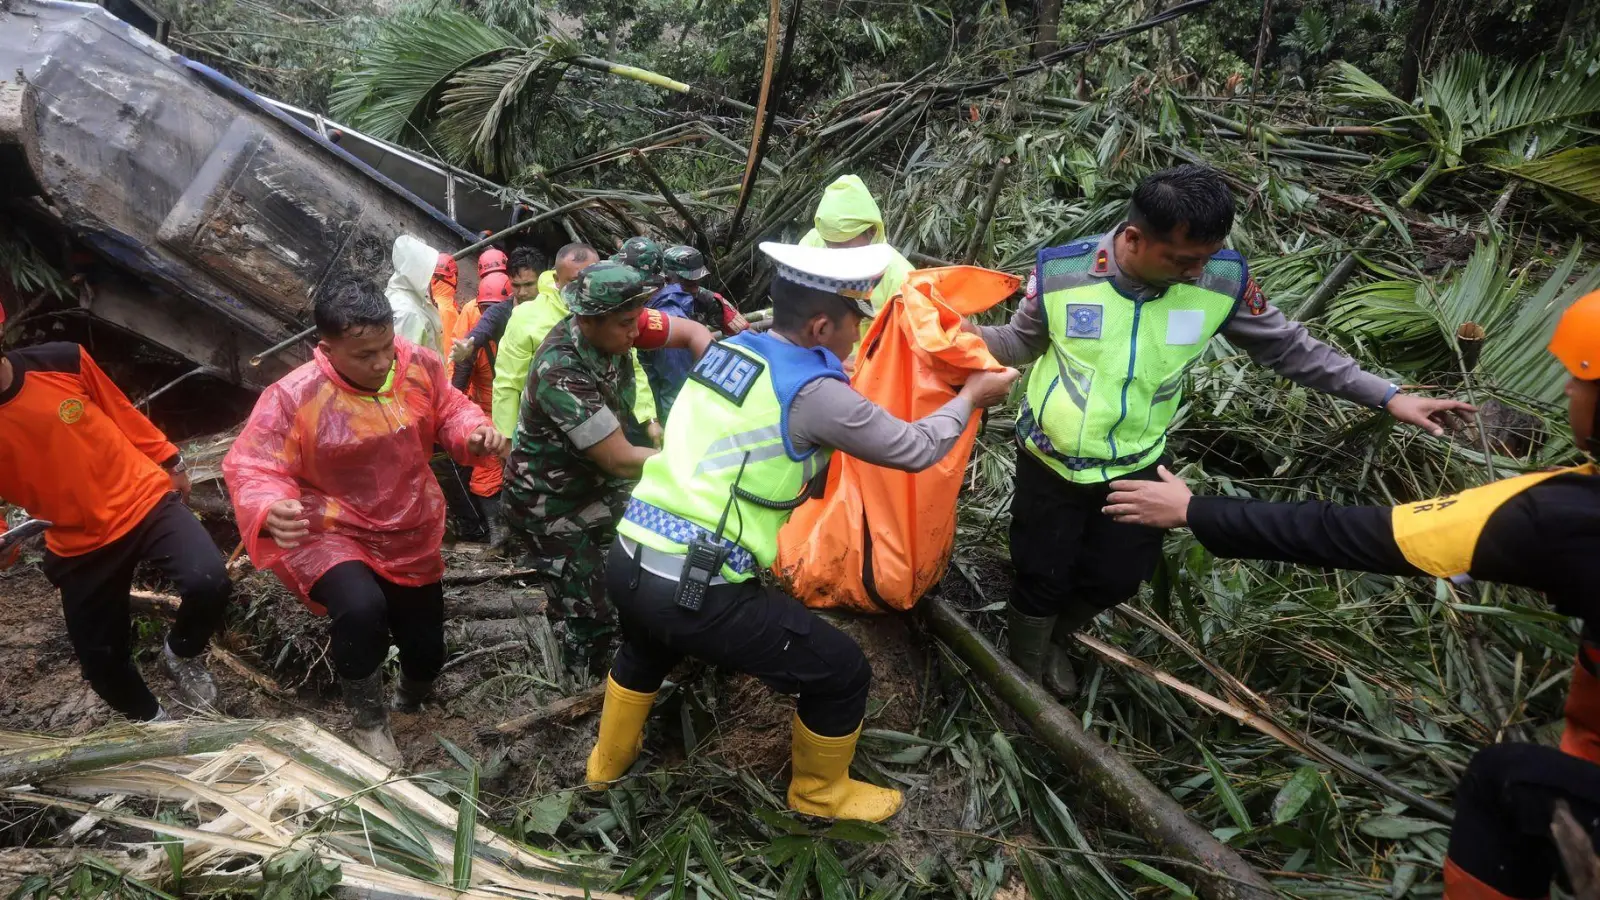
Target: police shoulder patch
[(728, 372)]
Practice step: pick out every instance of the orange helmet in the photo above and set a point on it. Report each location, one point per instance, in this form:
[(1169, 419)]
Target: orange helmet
[(494, 287), (1577, 339), (445, 268), (491, 260)]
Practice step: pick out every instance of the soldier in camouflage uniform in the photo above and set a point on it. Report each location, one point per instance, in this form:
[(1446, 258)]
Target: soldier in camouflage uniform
[(640, 253), (578, 447)]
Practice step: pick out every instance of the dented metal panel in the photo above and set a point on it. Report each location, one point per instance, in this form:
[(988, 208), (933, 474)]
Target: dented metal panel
[(226, 207)]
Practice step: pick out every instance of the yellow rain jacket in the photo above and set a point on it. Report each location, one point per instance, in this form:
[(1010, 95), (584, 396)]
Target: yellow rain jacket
[(846, 210)]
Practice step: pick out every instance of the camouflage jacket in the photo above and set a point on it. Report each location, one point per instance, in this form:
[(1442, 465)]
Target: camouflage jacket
[(575, 397)]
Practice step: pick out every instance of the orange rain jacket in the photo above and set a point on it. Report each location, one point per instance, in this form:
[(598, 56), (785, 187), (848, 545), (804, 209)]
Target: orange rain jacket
[(358, 462), (880, 538)]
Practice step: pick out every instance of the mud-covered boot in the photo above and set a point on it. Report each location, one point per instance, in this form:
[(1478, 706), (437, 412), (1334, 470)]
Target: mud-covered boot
[(369, 719), (489, 509), (409, 694), (1059, 678), (1028, 640), (196, 688)]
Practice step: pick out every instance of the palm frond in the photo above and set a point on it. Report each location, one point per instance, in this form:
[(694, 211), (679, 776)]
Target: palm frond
[(403, 75), (1575, 171), (481, 101)]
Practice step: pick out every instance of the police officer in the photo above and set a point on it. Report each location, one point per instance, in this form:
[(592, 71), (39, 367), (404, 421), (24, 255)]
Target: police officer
[(1116, 321), (578, 445), (1539, 531), (757, 421)]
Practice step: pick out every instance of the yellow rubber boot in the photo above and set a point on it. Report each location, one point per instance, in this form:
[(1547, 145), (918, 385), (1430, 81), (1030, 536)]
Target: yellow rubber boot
[(821, 785), (621, 734)]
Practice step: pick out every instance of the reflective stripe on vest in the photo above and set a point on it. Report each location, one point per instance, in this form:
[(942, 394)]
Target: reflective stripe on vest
[(1100, 401), (728, 425), (1439, 536)]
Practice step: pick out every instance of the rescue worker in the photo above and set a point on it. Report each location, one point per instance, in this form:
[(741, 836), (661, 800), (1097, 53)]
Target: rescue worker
[(75, 452), (332, 492), (1116, 321), (847, 216), (442, 289), (1536, 531), (523, 271), (640, 253), (757, 421), (529, 324), (684, 298), (472, 373), (578, 445)]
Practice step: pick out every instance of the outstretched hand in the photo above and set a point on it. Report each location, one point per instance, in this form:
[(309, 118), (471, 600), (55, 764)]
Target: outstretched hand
[(1159, 504), (1431, 414)]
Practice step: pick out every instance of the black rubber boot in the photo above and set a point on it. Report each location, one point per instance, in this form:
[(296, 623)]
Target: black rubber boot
[(369, 719), (409, 694), (1028, 639), (498, 536), (1059, 678)]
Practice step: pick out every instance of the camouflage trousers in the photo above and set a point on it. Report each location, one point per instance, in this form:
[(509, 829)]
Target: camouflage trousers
[(566, 541)]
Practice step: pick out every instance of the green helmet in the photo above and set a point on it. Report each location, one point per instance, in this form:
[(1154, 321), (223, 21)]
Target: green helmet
[(605, 287), (684, 262), (641, 253)]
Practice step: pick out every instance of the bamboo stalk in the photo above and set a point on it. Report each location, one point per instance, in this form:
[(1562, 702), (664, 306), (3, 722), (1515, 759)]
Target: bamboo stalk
[(1129, 794), (758, 133), (986, 212), (35, 765), (683, 211)]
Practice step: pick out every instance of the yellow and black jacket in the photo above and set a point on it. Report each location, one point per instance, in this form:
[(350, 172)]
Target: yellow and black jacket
[(1540, 531)]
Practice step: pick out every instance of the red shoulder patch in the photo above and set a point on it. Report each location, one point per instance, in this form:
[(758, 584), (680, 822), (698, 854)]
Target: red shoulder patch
[(1254, 300), (1102, 263)]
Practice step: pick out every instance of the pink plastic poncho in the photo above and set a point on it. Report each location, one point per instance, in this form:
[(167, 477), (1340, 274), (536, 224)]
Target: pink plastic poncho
[(358, 462)]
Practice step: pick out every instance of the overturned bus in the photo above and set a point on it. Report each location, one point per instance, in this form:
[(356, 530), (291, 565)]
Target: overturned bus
[(190, 211)]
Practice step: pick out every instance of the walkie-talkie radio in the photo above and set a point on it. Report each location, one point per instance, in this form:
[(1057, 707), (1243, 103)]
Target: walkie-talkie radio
[(703, 563), (706, 555)]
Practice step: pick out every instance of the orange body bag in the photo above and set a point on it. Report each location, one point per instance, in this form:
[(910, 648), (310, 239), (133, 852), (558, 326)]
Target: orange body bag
[(879, 538)]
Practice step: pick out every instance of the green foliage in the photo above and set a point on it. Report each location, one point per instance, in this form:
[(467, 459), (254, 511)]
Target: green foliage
[(298, 874)]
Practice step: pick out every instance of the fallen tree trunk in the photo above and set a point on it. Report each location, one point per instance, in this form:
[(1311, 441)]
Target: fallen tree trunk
[(32, 765), (1132, 796)]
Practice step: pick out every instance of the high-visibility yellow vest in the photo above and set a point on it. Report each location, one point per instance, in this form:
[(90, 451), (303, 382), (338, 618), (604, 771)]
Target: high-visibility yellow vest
[(1099, 402), (730, 424)]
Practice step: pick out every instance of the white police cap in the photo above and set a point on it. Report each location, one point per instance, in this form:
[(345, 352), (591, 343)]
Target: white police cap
[(851, 272)]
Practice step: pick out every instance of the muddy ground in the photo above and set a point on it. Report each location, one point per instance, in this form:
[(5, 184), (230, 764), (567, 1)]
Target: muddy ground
[(283, 671)]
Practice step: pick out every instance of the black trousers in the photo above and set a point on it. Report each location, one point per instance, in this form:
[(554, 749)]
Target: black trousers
[(1504, 806), (746, 627), (94, 600), (368, 610), (1066, 551)]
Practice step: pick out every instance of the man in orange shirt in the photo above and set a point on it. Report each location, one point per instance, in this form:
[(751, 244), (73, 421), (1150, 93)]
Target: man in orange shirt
[(477, 333), (74, 451)]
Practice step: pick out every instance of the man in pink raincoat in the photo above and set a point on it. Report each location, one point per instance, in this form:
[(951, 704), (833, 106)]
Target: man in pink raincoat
[(332, 491)]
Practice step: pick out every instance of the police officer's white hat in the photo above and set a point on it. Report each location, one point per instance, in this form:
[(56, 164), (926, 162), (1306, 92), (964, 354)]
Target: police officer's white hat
[(850, 272)]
